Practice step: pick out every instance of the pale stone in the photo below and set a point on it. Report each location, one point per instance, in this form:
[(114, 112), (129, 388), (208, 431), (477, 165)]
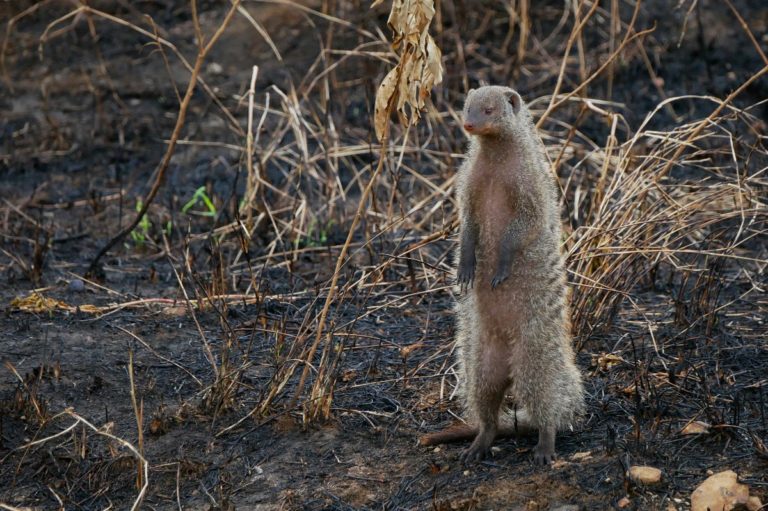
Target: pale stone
[(623, 503), (721, 491), (645, 475)]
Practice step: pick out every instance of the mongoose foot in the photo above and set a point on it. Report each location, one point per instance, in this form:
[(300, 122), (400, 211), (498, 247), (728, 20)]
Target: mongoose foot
[(474, 453), (544, 452), (480, 448), (542, 456)]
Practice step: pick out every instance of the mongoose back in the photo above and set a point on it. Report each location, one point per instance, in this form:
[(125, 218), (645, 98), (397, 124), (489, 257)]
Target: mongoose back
[(513, 320)]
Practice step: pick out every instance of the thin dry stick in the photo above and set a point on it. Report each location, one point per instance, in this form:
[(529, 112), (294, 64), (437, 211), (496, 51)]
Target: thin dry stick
[(191, 310), (8, 30), (157, 40), (160, 172), (158, 355), (11, 508), (339, 262), (568, 45), (138, 412), (252, 182), (705, 122), (553, 105), (79, 420), (746, 29), (525, 26), (38, 409)]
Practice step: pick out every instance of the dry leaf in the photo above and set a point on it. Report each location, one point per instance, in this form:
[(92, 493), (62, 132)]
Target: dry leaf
[(606, 361), (37, 303), (695, 428), (407, 87), (383, 96), (407, 350)]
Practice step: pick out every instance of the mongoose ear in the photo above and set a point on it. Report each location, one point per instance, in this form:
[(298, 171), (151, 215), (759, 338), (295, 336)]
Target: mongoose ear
[(469, 92), (515, 100)]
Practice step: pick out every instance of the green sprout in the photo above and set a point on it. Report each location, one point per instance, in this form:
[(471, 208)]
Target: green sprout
[(141, 233), (198, 197), (317, 236)]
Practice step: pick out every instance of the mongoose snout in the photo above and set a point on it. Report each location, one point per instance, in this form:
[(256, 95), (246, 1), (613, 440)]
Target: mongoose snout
[(513, 331)]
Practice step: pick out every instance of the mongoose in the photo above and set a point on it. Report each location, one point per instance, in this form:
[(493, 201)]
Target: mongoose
[(512, 317)]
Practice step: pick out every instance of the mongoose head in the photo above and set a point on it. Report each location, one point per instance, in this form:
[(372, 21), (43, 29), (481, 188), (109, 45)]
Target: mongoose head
[(492, 111)]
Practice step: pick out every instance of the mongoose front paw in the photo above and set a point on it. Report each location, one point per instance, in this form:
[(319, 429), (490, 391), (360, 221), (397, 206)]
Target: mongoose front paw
[(466, 276), (498, 279)]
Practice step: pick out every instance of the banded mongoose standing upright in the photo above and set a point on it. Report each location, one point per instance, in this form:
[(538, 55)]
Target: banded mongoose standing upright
[(513, 321)]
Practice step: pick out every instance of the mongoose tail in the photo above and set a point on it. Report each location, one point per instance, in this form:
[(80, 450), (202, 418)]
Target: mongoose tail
[(464, 432), (454, 433), (510, 426)]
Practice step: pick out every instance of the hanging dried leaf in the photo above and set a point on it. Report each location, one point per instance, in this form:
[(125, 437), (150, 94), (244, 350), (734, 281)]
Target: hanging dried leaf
[(407, 87), (383, 97)]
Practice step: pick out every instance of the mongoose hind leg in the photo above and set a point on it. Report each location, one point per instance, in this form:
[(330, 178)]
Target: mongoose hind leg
[(544, 452), (486, 397), (489, 426)]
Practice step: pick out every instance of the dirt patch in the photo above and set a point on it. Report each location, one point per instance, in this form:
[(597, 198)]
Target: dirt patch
[(204, 318)]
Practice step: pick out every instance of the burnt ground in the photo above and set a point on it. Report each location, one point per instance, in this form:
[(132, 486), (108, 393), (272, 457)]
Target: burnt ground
[(82, 128)]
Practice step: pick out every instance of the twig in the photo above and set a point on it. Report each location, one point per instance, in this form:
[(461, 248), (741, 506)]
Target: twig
[(160, 171), (339, 262)]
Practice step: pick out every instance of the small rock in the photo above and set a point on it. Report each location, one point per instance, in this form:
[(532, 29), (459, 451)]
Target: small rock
[(671, 507), (645, 475), (722, 491), (76, 285), (215, 68), (695, 428), (624, 502)]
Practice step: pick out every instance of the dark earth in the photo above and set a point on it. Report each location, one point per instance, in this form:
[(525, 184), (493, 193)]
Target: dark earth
[(85, 116)]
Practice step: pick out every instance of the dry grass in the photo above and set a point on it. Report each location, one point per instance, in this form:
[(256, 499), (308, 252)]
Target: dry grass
[(683, 203)]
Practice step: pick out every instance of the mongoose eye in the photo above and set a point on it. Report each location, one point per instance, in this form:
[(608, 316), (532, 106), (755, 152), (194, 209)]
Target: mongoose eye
[(488, 111)]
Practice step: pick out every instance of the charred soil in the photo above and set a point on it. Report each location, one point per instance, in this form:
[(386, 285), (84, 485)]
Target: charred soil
[(187, 332)]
